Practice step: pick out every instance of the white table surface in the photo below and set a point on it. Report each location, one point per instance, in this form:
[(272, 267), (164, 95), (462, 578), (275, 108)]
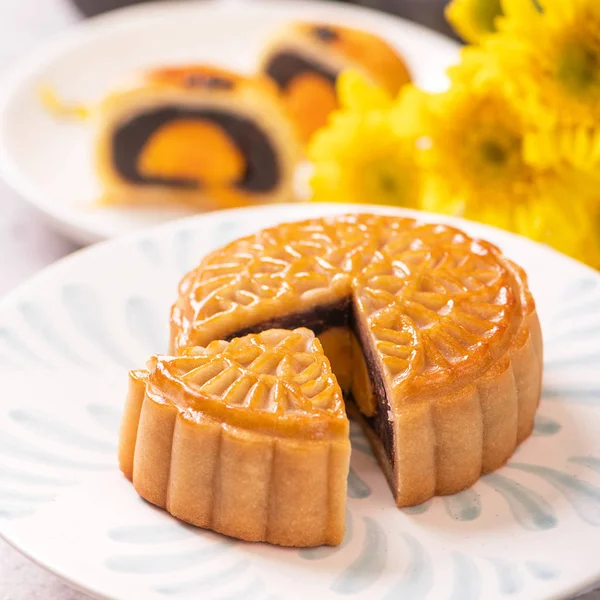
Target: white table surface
[(26, 246)]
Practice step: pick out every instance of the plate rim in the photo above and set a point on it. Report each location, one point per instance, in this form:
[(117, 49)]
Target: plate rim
[(161, 228), (67, 221)]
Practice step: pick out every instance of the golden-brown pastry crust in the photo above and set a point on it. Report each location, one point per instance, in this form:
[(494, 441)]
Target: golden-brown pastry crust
[(248, 438), (448, 322)]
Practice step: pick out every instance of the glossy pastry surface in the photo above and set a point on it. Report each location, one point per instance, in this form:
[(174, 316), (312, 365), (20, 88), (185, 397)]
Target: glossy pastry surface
[(247, 437)]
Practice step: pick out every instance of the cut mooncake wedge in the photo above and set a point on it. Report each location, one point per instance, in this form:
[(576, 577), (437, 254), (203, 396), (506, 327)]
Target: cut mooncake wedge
[(248, 438), (433, 334), (196, 135), (304, 60)]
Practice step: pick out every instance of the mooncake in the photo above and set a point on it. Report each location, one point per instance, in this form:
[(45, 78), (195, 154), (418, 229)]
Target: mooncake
[(248, 438), (304, 60), (196, 135), (433, 335)]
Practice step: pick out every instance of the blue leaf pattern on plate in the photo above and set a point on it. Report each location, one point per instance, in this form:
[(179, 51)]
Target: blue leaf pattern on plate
[(359, 441), (8, 475), (581, 302), (583, 496), (248, 592), (582, 333), (580, 288), (182, 250), (545, 426), (42, 326), (150, 534), (362, 446), (106, 416), (357, 487), (467, 578), (9, 495), (528, 508), (589, 396), (584, 310), (166, 562), (587, 461), (15, 512), (46, 426), (510, 580), (586, 359), (8, 362), (150, 250), (369, 565), (145, 325), (417, 579), (542, 570), (225, 231), (16, 353), (208, 582), (83, 306), (464, 506), (419, 509), (17, 448)]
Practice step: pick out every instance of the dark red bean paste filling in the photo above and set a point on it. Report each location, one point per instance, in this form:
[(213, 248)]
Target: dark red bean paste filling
[(262, 171), (340, 314)]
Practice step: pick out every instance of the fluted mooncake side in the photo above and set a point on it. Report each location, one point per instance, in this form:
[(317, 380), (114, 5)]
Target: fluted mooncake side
[(248, 438)]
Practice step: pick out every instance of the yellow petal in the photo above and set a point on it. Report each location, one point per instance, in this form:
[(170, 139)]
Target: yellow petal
[(473, 20), (357, 93), (523, 11)]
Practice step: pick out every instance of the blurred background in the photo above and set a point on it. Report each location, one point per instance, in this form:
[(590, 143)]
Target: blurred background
[(426, 12)]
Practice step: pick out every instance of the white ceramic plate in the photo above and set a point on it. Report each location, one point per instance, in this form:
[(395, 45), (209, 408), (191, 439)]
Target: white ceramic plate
[(49, 161), (67, 338)]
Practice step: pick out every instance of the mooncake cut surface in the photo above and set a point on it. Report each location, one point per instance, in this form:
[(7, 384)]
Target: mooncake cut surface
[(247, 437), (197, 135), (305, 59), (433, 335)]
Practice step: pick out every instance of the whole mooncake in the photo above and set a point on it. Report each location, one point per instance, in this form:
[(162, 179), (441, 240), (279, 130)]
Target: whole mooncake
[(305, 59), (433, 335), (196, 135)]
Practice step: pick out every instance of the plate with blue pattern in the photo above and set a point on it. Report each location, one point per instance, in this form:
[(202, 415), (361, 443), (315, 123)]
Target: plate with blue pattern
[(67, 338)]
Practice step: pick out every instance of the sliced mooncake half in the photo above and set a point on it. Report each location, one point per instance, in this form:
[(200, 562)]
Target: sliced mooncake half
[(304, 60), (248, 438), (433, 334), (197, 135)]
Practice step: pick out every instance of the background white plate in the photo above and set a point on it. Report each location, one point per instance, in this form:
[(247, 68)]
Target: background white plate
[(67, 338), (49, 161)]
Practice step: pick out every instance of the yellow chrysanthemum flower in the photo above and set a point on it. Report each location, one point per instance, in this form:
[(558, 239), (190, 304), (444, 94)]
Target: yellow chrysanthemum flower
[(358, 156), (553, 58), (473, 20), (475, 140), (578, 147), (572, 227), (357, 94), (475, 165)]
